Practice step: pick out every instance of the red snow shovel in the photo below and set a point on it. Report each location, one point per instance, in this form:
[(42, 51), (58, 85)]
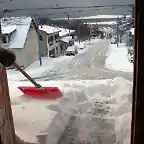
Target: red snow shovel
[(38, 91)]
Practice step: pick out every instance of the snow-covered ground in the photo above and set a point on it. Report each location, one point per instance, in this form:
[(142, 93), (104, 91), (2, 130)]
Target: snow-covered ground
[(118, 59), (108, 99), (113, 99), (50, 66)]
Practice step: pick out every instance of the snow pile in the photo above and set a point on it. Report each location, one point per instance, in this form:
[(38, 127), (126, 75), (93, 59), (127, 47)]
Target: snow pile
[(49, 67), (67, 39), (118, 59), (48, 29), (114, 97), (122, 110), (63, 32), (86, 43)]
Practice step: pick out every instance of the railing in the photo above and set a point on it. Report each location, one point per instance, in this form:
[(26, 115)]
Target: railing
[(6, 120)]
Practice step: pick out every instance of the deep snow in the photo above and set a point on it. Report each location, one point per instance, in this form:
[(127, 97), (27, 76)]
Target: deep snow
[(51, 66), (113, 96), (118, 59)]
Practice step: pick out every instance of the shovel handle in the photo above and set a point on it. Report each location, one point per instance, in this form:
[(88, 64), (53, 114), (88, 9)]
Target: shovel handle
[(27, 76)]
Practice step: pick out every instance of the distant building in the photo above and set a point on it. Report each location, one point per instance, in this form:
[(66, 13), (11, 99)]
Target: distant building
[(51, 43), (19, 34), (65, 42)]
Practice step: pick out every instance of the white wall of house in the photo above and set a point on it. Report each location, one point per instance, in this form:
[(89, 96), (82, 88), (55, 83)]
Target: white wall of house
[(45, 45), (27, 55)]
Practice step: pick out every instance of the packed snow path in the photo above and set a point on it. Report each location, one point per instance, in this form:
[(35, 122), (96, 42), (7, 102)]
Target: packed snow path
[(89, 65)]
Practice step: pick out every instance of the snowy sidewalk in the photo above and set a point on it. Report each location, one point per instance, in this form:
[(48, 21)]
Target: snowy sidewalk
[(118, 59)]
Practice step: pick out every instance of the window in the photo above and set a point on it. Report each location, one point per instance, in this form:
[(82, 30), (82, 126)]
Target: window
[(50, 39), (6, 38), (56, 36)]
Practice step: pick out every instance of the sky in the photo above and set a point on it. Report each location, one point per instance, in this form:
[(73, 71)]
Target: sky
[(62, 3)]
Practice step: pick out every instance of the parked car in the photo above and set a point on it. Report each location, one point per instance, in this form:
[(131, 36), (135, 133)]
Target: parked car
[(53, 56), (113, 40), (71, 51)]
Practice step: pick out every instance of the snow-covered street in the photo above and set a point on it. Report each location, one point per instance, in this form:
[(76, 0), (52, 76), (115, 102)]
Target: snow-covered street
[(88, 64), (96, 103)]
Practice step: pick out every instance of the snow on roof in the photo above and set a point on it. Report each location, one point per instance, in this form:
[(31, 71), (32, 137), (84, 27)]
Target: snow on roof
[(132, 31), (101, 16), (64, 31), (66, 39), (104, 23), (8, 29), (49, 29), (71, 48), (22, 25)]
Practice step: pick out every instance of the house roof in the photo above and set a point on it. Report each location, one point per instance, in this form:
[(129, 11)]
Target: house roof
[(49, 29), (8, 29), (66, 39), (64, 32), (22, 25)]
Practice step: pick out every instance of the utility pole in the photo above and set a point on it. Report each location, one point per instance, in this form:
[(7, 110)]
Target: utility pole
[(78, 31), (38, 33), (117, 31), (68, 23)]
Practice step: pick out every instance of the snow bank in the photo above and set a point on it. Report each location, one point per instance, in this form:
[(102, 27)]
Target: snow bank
[(49, 66), (116, 93), (122, 128), (118, 59)]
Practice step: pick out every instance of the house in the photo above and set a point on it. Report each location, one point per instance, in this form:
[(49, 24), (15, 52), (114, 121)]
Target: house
[(20, 36), (65, 42), (50, 45), (53, 42)]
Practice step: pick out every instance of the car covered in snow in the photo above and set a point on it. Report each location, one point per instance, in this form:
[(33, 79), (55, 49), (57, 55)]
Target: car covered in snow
[(113, 40), (71, 51)]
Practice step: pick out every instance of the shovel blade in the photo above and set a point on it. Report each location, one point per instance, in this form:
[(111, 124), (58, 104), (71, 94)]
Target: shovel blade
[(44, 93)]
